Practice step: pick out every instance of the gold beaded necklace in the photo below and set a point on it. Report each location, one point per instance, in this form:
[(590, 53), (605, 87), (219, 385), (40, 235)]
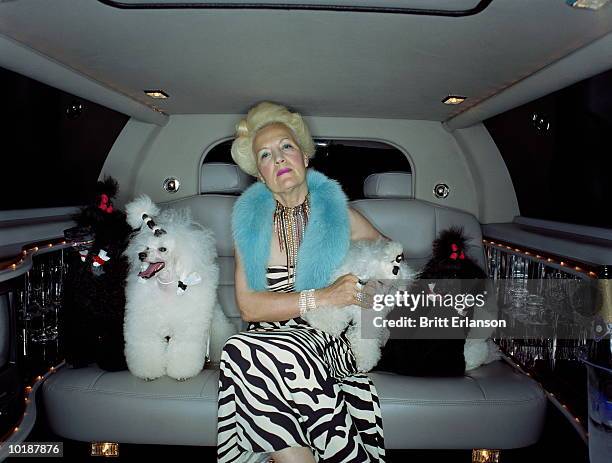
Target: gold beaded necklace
[(289, 226)]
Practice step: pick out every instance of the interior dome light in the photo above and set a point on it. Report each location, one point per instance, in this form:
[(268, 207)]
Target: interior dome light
[(158, 94), (453, 99), (589, 4)]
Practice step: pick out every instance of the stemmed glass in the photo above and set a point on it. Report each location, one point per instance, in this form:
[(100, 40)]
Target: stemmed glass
[(37, 303), (46, 297), (56, 286)]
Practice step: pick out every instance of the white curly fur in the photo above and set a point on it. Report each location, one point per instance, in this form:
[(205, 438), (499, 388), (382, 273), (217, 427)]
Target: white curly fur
[(155, 310), (138, 207), (367, 260), (479, 352)]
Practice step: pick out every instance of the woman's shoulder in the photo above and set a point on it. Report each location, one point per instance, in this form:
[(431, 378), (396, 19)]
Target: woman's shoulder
[(361, 227)]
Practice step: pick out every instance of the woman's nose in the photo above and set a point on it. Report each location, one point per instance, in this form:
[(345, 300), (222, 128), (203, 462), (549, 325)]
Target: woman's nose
[(278, 157)]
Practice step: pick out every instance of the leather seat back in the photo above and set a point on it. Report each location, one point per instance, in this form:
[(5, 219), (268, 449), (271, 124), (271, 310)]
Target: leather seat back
[(389, 205), (392, 209)]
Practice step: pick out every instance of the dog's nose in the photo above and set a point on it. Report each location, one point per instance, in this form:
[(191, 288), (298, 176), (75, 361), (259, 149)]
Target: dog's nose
[(142, 255)]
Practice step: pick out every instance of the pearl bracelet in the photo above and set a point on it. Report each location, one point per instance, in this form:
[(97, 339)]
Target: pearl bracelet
[(307, 301)]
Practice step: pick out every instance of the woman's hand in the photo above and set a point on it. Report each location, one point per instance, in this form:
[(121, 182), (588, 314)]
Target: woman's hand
[(346, 290)]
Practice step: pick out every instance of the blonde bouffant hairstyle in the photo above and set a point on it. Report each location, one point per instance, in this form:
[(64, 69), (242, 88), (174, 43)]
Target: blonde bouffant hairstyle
[(258, 117)]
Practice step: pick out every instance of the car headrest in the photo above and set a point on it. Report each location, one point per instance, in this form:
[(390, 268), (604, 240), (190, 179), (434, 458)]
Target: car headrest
[(221, 177), (388, 185)]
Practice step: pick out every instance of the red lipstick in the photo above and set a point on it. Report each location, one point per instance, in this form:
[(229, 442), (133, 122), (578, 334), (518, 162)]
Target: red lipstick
[(284, 170)]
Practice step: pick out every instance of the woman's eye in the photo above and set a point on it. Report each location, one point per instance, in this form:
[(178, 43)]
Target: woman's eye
[(264, 154), (287, 146), (162, 249)]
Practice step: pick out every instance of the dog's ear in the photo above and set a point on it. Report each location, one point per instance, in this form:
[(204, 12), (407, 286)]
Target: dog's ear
[(185, 263)]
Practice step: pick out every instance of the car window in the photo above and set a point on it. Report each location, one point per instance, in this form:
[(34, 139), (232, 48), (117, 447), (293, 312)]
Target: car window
[(347, 161), (557, 151), (56, 144)]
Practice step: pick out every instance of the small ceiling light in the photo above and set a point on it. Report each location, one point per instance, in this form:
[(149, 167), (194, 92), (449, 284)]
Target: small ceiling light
[(453, 99), (158, 94), (589, 4)]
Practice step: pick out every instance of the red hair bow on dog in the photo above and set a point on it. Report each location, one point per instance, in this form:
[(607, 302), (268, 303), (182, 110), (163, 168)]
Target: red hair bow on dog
[(105, 204), (454, 254)]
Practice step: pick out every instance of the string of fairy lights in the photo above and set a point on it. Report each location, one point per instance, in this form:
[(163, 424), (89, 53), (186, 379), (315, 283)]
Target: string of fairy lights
[(14, 265), (24, 258), (573, 419), (25, 424), (567, 264)]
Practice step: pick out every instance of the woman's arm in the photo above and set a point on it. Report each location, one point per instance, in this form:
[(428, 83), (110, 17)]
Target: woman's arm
[(257, 306), (361, 228)]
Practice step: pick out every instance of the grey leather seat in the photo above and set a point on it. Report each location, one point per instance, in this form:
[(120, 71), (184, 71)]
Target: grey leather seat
[(390, 206), (492, 407)]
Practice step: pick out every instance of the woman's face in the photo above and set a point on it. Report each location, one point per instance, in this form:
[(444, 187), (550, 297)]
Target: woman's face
[(280, 162)]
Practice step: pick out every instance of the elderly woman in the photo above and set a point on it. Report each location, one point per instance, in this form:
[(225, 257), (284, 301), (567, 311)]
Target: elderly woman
[(288, 391)]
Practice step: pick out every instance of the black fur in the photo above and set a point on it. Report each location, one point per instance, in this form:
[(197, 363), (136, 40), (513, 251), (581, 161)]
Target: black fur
[(94, 299), (441, 266), (435, 352)]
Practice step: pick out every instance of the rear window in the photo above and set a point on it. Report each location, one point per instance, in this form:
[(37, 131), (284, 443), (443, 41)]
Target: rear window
[(347, 161), (557, 151)]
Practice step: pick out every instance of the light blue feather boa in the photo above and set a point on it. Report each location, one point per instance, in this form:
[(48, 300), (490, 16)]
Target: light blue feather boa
[(326, 239)]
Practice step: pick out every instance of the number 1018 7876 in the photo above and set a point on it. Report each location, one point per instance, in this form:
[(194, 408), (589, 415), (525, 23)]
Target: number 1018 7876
[(36, 449)]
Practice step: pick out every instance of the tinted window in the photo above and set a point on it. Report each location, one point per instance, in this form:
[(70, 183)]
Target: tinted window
[(53, 144), (557, 151), (347, 161)]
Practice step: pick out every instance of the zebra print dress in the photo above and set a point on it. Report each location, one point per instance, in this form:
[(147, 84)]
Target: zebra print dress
[(287, 384)]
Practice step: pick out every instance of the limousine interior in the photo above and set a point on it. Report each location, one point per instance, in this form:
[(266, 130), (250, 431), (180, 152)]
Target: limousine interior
[(490, 115)]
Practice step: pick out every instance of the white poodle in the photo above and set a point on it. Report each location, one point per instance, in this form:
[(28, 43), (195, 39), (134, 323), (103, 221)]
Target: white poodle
[(171, 294), (373, 261), (479, 352)]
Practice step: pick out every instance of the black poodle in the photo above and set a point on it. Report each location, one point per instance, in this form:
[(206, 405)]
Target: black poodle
[(94, 295), (436, 351)]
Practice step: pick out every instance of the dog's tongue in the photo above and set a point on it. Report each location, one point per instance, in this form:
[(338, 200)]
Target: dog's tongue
[(151, 270)]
